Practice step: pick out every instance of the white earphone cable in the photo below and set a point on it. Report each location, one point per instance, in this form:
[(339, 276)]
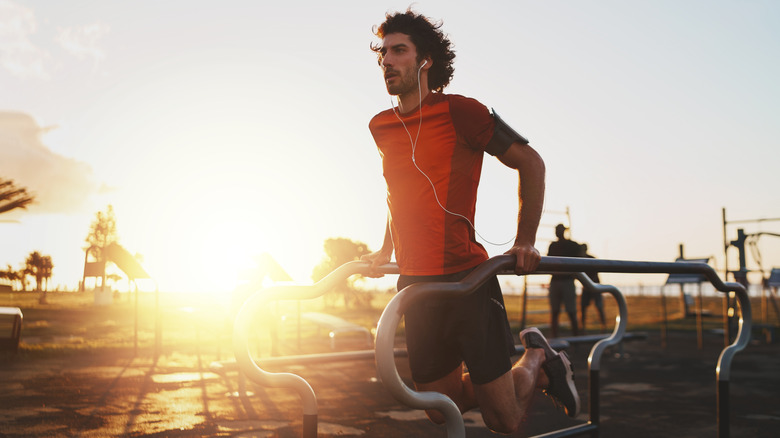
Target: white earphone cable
[(414, 160)]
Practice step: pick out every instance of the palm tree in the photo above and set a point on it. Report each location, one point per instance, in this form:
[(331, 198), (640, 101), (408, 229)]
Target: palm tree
[(40, 267), (12, 197), (23, 274), (47, 269), (16, 276)]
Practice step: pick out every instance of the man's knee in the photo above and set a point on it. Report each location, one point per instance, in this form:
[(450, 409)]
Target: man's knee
[(504, 424), (435, 416), (496, 423)]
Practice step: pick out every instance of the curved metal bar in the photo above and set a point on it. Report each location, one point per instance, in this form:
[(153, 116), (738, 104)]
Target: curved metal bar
[(385, 338), (254, 304), (621, 320), (596, 352), (388, 373)]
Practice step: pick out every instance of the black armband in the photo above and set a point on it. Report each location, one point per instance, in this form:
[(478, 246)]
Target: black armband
[(503, 137)]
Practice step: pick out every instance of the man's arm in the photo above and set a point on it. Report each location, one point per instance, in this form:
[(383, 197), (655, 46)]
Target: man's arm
[(384, 254), (531, 172)]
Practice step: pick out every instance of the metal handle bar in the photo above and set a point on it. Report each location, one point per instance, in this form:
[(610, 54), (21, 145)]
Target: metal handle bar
[(594, 359)]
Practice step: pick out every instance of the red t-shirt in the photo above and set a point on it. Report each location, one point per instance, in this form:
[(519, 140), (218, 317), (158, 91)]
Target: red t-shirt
[(455, 131)]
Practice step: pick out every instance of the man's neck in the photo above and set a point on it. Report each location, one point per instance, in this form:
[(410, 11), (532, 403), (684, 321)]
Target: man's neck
[(410, 102)]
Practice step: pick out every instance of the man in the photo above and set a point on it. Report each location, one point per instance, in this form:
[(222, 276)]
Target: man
[(562, 290), (432, 147), (588, 296)]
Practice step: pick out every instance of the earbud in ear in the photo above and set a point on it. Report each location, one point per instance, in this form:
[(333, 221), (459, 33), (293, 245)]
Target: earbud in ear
[(423, 64)]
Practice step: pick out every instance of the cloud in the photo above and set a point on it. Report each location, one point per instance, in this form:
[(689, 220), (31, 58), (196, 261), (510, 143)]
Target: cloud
[(83, 42), (59, 184), (18, 54), (21, 57)]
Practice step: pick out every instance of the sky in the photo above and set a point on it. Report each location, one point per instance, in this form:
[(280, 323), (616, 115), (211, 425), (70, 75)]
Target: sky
[(219, 131)]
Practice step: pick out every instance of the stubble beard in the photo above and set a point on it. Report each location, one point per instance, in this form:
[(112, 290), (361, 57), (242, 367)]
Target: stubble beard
[(407, 84)]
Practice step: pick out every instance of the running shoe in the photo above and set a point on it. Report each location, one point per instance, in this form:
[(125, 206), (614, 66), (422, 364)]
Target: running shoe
[(559, 372)]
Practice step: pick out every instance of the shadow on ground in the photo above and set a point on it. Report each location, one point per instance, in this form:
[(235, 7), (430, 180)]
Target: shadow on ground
[(646, 391)]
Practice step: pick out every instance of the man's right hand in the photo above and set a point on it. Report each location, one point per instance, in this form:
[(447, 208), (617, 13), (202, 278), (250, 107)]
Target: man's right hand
[(377, 259)]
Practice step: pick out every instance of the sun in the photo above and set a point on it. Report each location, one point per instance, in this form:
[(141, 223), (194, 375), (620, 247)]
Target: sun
[(228, 252)]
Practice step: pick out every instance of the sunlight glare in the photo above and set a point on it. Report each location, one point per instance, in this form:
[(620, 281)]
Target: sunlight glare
[(227, 253)]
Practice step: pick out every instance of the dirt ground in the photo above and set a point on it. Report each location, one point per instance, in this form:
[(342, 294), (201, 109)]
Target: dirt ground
[(79, 373)]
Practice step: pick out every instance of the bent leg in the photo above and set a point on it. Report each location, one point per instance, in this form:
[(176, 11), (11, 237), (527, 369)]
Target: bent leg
[(505, 401), (455, 385)]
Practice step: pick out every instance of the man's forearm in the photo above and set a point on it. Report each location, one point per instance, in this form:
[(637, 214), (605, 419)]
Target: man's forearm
[(531, 193), (387, 244)]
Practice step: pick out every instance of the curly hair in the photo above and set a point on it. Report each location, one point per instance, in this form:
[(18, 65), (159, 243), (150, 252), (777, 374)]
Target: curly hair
[(429, 40)]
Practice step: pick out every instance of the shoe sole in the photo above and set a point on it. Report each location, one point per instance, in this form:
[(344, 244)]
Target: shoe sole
[(570, 383), (548, 350), (549, 353)]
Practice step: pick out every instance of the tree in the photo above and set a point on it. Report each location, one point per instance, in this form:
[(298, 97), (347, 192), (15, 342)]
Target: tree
[(40, 267), (23, 274), (102, 232), (338, 251), (10, 275), (13, 197)]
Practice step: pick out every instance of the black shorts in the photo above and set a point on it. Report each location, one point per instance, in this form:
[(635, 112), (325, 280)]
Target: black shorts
[(442, 333)]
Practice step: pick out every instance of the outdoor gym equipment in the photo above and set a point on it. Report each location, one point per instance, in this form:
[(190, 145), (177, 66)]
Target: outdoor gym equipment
[(497, 265)]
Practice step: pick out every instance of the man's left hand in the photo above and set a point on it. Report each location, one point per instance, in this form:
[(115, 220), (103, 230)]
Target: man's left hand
[(528, 258)]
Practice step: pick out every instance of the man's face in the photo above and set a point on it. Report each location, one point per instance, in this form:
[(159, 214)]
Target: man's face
[(399, 64)]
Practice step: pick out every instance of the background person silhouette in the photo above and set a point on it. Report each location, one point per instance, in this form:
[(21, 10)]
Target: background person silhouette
[(587, 297), (562, 290)]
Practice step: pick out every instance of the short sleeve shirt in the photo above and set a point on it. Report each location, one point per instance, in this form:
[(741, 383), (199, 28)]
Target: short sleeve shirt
[(449, 151)]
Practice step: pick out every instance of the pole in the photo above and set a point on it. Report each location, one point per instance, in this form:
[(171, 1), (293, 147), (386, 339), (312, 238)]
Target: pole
[(157, 323), (726, 306), (135, 337), (664, 326), (525, 303), (699, 334)]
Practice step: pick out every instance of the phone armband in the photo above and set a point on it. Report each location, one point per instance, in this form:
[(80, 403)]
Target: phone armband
[(503, 137)]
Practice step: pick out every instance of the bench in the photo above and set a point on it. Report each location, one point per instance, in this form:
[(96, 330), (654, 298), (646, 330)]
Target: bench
[(336, 326), (10, 328)]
